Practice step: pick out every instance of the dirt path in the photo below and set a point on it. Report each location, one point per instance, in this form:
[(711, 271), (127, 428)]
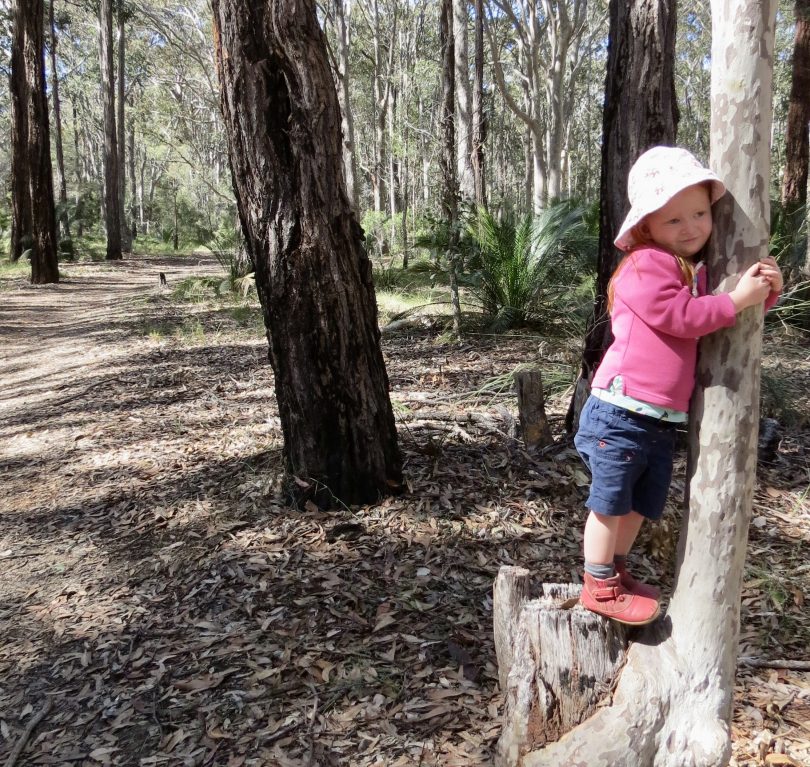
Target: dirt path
[(155, 589)]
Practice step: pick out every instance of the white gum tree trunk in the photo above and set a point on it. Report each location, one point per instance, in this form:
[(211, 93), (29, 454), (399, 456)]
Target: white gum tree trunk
[(672, 704)]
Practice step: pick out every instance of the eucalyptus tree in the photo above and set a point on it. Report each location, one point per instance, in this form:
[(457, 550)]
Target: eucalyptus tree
[(338, 14), (673, 700), (794, 181), (543, 42), (312, 273), (464, 99), (32, 179), (61, 179), (112, 201)]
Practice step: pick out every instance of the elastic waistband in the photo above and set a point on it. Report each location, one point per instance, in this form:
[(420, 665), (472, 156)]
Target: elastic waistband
[(661, 423)]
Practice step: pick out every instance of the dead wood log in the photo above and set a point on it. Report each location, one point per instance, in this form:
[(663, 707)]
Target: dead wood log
[(532, 409), (559, 661)]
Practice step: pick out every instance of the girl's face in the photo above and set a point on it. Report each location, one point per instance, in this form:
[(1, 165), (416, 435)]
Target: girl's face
[(684, 224)]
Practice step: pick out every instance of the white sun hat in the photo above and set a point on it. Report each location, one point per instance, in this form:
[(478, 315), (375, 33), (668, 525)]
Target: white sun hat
[(655, 178)]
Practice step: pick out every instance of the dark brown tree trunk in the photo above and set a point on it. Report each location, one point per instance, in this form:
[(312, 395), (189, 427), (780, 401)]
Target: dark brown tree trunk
[(112, 212), (18, 88), (640, 111), (33, 140), (794, 182), (450, 190), (64, 221), (479, 120), (312, 273)]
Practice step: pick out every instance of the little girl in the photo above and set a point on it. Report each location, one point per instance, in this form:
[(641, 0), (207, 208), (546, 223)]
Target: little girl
[(640, 393)]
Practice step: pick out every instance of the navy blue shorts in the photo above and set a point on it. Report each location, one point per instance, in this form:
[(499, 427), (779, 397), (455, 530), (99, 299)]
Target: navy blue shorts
[(629, 457)]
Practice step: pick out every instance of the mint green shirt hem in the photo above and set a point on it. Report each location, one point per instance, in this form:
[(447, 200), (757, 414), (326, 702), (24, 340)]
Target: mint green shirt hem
[(615, 396)]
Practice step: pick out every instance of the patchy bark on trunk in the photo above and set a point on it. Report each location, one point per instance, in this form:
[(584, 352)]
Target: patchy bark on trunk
[(33, 206), (640, 112), (312, 273), (672, 703)]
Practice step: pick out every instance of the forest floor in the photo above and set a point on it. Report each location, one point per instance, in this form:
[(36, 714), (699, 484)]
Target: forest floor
[(160, 605)]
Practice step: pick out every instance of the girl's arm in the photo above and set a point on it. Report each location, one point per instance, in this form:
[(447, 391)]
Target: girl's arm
[(651, 286)]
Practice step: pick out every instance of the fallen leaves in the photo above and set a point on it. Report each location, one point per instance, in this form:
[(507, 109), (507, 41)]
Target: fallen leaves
[(178, 613)]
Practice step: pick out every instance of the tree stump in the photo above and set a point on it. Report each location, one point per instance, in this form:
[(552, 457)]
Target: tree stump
[(532, 409), (558, 661)]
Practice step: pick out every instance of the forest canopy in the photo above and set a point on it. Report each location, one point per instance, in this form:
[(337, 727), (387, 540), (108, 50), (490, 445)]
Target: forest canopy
[(387, 62)]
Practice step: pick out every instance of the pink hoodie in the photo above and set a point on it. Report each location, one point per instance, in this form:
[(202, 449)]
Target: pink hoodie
[(656, 323)]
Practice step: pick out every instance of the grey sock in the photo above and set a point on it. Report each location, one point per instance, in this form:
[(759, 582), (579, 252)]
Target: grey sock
[(600, 572)]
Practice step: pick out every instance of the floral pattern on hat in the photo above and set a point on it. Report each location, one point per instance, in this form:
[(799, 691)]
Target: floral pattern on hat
[(655, 178)]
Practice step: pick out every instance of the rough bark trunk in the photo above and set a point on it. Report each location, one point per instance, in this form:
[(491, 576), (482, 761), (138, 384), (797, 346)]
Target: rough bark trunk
[(794, 182), (121, 128), (532, 408), (641, 51), (112, 214), (672, 703), (18, 87), (448, 154), (312, 273), (36, 160), (61, 180)]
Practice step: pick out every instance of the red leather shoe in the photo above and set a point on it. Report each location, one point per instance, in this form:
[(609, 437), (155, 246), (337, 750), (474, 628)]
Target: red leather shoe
[(637, 587), (611, 599)]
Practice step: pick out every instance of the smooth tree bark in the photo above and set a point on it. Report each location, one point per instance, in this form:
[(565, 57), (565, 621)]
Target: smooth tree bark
[(794, 181), (313, 275), (112, 208), (33, 212), (343, 14), (463, 90), (673, 701), (547, 36), (640, 111), (61, 180), (121, 127)]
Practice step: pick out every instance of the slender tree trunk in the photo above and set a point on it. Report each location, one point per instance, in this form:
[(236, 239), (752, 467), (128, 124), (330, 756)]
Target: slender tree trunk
[(133, 183), (112, 214), (312, 273), (28, 20), (448, 155), (343, 14), (380, 92), (794, 182), (641, 50), (61, 181), (479, 119), (464, 114), (121, 128), (18, 87), (77, 169)]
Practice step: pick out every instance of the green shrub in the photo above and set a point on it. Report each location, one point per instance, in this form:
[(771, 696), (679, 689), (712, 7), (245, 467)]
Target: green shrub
[(527, 269)]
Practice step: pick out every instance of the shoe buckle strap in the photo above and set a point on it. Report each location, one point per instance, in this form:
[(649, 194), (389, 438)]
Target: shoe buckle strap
[(606, 594)]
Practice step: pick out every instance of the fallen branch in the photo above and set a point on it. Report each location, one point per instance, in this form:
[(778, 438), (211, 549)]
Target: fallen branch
[(790, 665), (30, 727)]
